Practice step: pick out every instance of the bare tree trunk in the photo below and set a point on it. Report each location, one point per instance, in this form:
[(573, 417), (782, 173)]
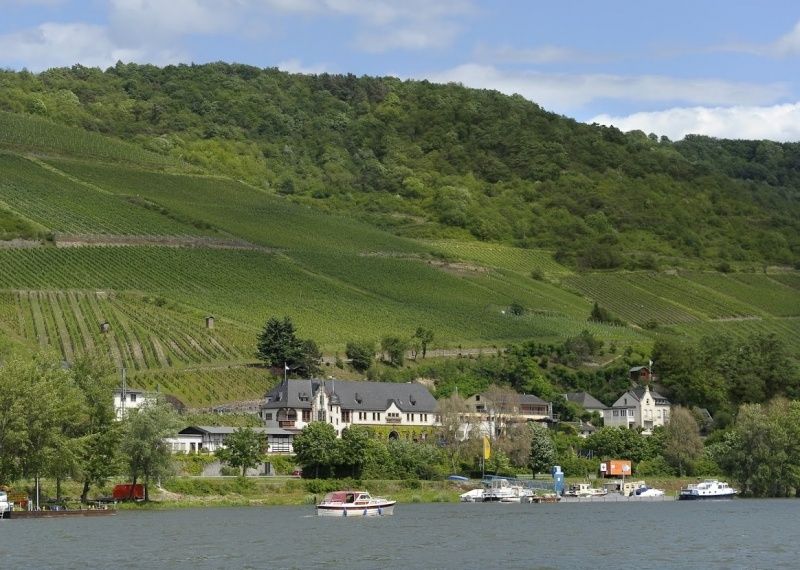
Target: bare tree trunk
[(85, 492)]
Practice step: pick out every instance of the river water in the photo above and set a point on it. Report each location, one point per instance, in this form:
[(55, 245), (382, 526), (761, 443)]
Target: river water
[(724, 534)]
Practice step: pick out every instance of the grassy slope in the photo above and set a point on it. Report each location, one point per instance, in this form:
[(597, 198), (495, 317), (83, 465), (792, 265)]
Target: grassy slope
[(339, 279)]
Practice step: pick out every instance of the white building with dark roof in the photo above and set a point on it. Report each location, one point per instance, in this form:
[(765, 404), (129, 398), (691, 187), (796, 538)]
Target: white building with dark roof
[(638, 408), (293, 404)]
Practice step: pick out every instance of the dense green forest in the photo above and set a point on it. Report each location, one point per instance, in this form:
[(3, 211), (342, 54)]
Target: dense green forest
[(438, 161)]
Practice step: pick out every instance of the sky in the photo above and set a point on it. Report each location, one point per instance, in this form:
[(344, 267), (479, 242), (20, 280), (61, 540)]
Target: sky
[(724, 68)]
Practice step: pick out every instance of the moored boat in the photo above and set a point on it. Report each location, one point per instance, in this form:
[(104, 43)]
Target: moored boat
[(472, 496), (503, 491), (354, 504), (708, 489)]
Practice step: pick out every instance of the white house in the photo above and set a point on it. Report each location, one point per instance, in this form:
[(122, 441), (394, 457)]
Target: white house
[(493, 416), (293, 404), (195, 439), (130, 399), (638, 408)]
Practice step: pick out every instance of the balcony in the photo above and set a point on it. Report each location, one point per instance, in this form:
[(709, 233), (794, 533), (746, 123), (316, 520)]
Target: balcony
[(393, 420), (286, 423)]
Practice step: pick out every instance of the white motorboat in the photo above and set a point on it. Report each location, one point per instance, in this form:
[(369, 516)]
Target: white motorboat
[(644, 491), (503, 491), (708, 489), (5, 506), (473, 496), (354, 504)]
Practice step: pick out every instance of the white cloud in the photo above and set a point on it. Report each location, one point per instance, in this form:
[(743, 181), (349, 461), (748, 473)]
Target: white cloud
[(390, 24), (777, 122), (138, 21), (568, 92), (294, 65), (53, 45), (788, 44), (538, 55)]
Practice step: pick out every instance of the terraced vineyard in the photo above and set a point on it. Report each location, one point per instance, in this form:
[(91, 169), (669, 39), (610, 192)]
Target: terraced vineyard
[(502, 257), (622, 295), (338, 279), (242, 211), (761, 291), (210, 386), (28, 133), (61, 205), (142, 335)]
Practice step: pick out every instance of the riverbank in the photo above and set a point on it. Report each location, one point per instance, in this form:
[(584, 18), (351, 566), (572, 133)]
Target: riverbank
[(192, 492)]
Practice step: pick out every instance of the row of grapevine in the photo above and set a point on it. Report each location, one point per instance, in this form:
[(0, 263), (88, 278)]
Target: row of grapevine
[(206, 386), (242, 211), (29, 133), (140, 336), (62, 205), (501, 256), (759, 290), (712, 304), (622, 295)]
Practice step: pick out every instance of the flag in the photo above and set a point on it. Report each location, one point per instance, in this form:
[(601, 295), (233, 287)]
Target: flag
[(286, 367), (487, 447)]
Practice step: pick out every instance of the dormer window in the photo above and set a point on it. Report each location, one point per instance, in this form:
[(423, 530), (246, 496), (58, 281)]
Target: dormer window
[(477, 397), (626, 401), (358, 397), (412, 400)]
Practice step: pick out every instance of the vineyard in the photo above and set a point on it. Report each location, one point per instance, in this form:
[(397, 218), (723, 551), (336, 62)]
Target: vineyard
[(63, 205), (502, 257), (339, 279), (209, 386), (142, 333), (27, 133), (767, 293), (240, 210)]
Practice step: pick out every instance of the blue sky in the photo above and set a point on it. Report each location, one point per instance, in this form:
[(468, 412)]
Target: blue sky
[(727, 68)]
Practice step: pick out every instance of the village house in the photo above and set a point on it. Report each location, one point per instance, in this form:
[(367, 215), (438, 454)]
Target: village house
[(586, 401), (638, 408), (493, 414), (209, 439), (408, 409), (129, 399)]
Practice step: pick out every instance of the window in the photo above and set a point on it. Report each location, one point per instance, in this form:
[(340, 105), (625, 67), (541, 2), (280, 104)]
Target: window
[(346, 416), (630, 413), (268, 417), (133, 397), (616, 413), (321, 416), (376, 416), (306, 416)]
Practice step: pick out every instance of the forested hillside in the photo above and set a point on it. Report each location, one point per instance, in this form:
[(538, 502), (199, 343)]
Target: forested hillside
[(435, 161), (137, 202)]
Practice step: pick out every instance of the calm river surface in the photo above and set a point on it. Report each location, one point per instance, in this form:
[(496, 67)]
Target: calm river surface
[(727, 534)]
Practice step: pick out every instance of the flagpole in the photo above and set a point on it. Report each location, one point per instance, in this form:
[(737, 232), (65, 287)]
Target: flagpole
[(285, 369)]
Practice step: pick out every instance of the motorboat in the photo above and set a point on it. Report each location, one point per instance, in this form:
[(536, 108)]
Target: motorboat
[(473, 496), (708, 489), (5, 507), (644, 491), (504, 491), (585, 490), (354, 504)]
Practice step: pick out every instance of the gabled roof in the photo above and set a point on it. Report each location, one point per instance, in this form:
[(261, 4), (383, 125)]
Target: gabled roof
[(410, 397), (657, 398), (585, 399), (227, 430), (638, 368)]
